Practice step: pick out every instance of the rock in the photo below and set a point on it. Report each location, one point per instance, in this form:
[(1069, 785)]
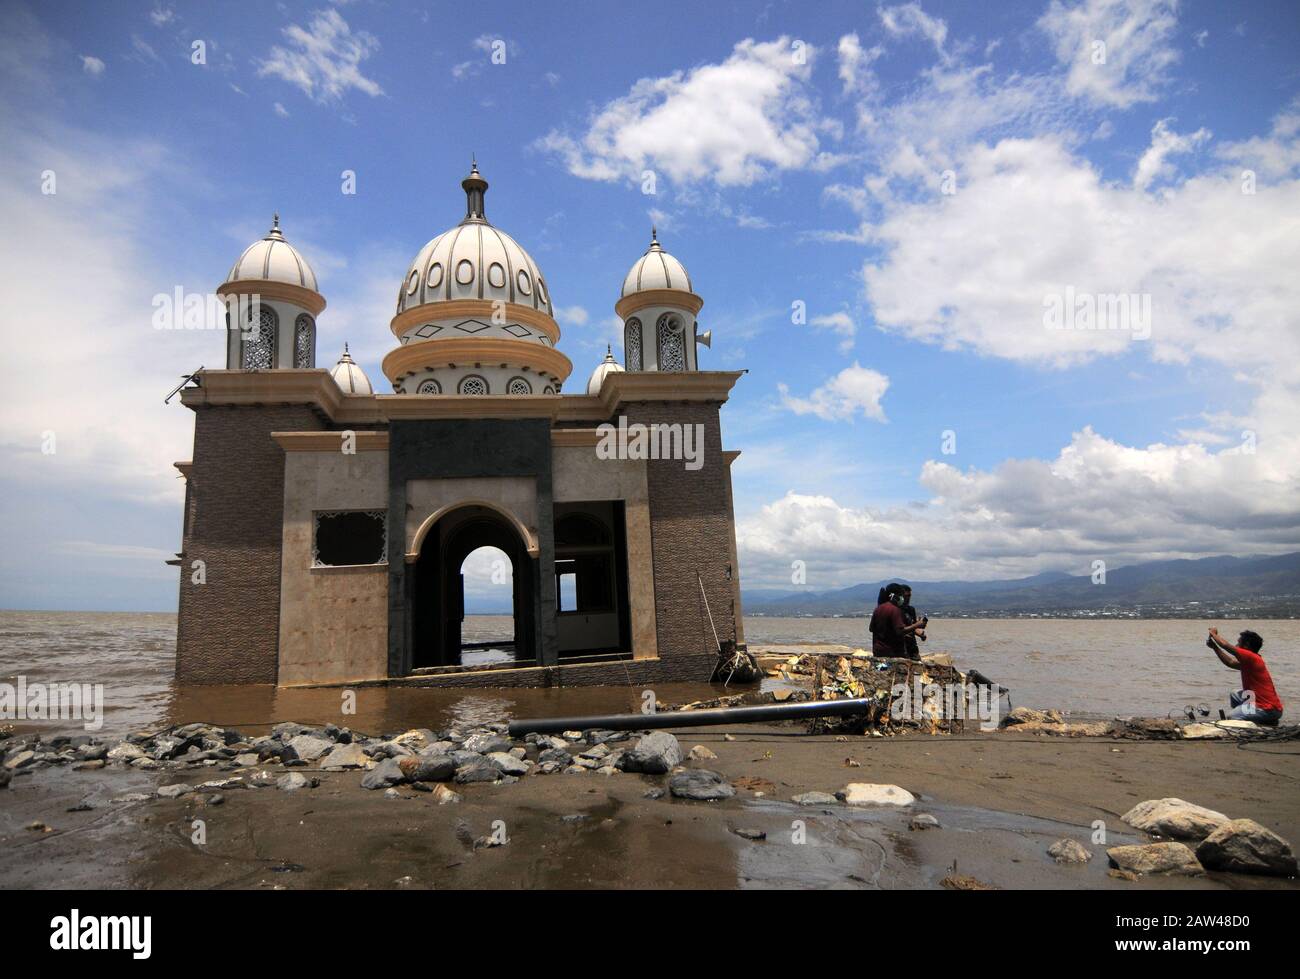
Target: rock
[(923, 820), (383, 775), (655, 754), (1156, 858), (132, 797), (125, 751), (444, 796), (701, 753), (6, 776), (293, 781), (173, 791), (558, 756), (1069, 851), (654, 794), (483, 772), (428, 768), (21, 759), (595, 753), (871, 794), (1027, 715), (750, 834), (486, 743), (392, 794), (700, 784), (308, 747), (247, 760), (508, 763), (92, 752), (1174, 818), (1203, 732), (815, 799), (1243, 846), (343, 756)]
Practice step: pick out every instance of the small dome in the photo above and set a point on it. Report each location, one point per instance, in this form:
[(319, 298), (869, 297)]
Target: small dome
[(656, 269), (272, 259), (607, 366), (349, 377), (473, 260)]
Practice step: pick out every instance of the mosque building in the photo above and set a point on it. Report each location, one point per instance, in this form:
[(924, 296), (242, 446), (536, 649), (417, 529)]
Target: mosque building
[(326, 525)]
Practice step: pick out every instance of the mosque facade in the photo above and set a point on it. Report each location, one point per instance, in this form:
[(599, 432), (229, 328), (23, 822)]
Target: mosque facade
[(326, 525)]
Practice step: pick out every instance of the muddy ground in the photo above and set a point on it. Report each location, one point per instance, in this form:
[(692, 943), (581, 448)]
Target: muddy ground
[(1001, 800)]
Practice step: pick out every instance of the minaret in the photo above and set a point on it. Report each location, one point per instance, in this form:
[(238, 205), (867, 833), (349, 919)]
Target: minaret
[(658, 310)]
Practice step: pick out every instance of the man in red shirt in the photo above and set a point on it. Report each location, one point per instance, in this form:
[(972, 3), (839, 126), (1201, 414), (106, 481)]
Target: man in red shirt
[(1258, 700)]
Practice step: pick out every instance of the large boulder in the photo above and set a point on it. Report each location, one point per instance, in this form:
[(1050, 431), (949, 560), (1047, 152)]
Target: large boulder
[(656, 753), (432, 767), (508, 763), (700, 784), (1174, 818), (870, 794), (1243, 846), (486, 742), (1156, 858)]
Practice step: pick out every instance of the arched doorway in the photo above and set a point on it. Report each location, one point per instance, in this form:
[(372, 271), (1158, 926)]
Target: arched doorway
[(487, 635), (439, 600)]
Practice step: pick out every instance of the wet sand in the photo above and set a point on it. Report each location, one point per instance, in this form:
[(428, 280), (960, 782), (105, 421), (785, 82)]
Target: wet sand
[(1001, 799)]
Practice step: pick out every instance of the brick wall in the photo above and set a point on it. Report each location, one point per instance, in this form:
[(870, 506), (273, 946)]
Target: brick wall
[(690, 529), (228, 629)]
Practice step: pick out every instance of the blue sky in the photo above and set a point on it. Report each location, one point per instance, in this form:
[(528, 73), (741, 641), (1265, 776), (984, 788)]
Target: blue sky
[(800, 154)]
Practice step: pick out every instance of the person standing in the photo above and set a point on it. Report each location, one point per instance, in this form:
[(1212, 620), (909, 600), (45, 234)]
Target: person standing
[(888, 630), (910, 617)]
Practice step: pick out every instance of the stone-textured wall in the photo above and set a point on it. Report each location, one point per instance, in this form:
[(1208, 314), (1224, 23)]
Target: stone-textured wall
[(690, 525), (228, 629)]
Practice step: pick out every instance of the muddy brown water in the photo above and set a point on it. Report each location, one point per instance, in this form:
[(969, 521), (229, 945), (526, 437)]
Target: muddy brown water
[(1088, 667)]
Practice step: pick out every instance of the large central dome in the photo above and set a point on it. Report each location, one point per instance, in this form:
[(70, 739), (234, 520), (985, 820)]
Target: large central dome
[(474, 261), (474, 314)]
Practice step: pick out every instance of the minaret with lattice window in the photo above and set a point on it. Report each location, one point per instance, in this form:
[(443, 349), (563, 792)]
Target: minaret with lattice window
[(658, 308)]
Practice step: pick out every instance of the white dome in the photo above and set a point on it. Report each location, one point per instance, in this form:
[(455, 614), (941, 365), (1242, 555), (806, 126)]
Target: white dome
[(607, 366), (349, 377), (474, 260), (656, 269), (272, 259)]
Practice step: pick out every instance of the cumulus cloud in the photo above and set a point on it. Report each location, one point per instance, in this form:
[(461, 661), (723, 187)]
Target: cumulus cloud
[(909, 19), (1116, 52), (91, 65), (731, 124), (853, 391), (1164, 143), (323, 59)]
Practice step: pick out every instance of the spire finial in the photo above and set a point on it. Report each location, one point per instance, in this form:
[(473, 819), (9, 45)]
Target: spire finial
[(654, 233), (475, 187), (275, 227)]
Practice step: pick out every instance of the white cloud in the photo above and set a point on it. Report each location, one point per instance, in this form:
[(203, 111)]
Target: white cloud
[(838, 322), (854, 390), (1164, 143), (161, 16), (576, 315), (92, 65), (281, 111), (731, 124), (1273, 156), (323, 59), (909, 19), (1132, 40)]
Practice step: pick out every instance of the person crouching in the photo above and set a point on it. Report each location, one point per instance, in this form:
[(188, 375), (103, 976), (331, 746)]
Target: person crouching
[(1257, 700)]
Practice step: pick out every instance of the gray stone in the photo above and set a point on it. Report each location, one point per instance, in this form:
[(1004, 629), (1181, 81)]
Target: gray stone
[(428, 767), (701, 753), (558, 756), (343, 756), (1069, 851), (293, 781), (386, 773), (750, 834), (1174, 818), (308, 747), (1243, 846), (700, 784), (656, 753), (444, 796), (508, 763), (173, 791), (1156, 858), (923, 820), (484, 743), (21, 759), (484, 772), (815, 799), (124, 751)]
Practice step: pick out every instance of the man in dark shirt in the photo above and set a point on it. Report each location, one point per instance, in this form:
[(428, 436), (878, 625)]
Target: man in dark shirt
[(1257, 700), (888, 630), (910, 647)]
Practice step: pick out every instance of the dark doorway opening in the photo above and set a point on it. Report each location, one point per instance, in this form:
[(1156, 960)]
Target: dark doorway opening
[(591, 584), (441, 640)]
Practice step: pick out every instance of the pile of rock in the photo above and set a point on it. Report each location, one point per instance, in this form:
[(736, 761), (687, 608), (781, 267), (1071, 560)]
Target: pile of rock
[(1235, 845), (414, 758)]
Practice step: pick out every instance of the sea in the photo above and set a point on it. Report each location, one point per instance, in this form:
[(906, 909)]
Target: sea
[(1088, 668)]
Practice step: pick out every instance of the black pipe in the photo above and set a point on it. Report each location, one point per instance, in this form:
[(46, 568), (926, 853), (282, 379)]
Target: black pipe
[(693, 718)]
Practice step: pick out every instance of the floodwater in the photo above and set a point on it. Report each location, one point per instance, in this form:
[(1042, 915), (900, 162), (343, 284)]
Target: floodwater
[(1086, 667)]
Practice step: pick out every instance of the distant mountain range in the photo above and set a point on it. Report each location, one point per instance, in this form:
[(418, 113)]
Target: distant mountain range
[(1209, 587)]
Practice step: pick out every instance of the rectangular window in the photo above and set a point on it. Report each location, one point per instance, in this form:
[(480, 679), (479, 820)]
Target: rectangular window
[(584, 585), (346, 538)]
